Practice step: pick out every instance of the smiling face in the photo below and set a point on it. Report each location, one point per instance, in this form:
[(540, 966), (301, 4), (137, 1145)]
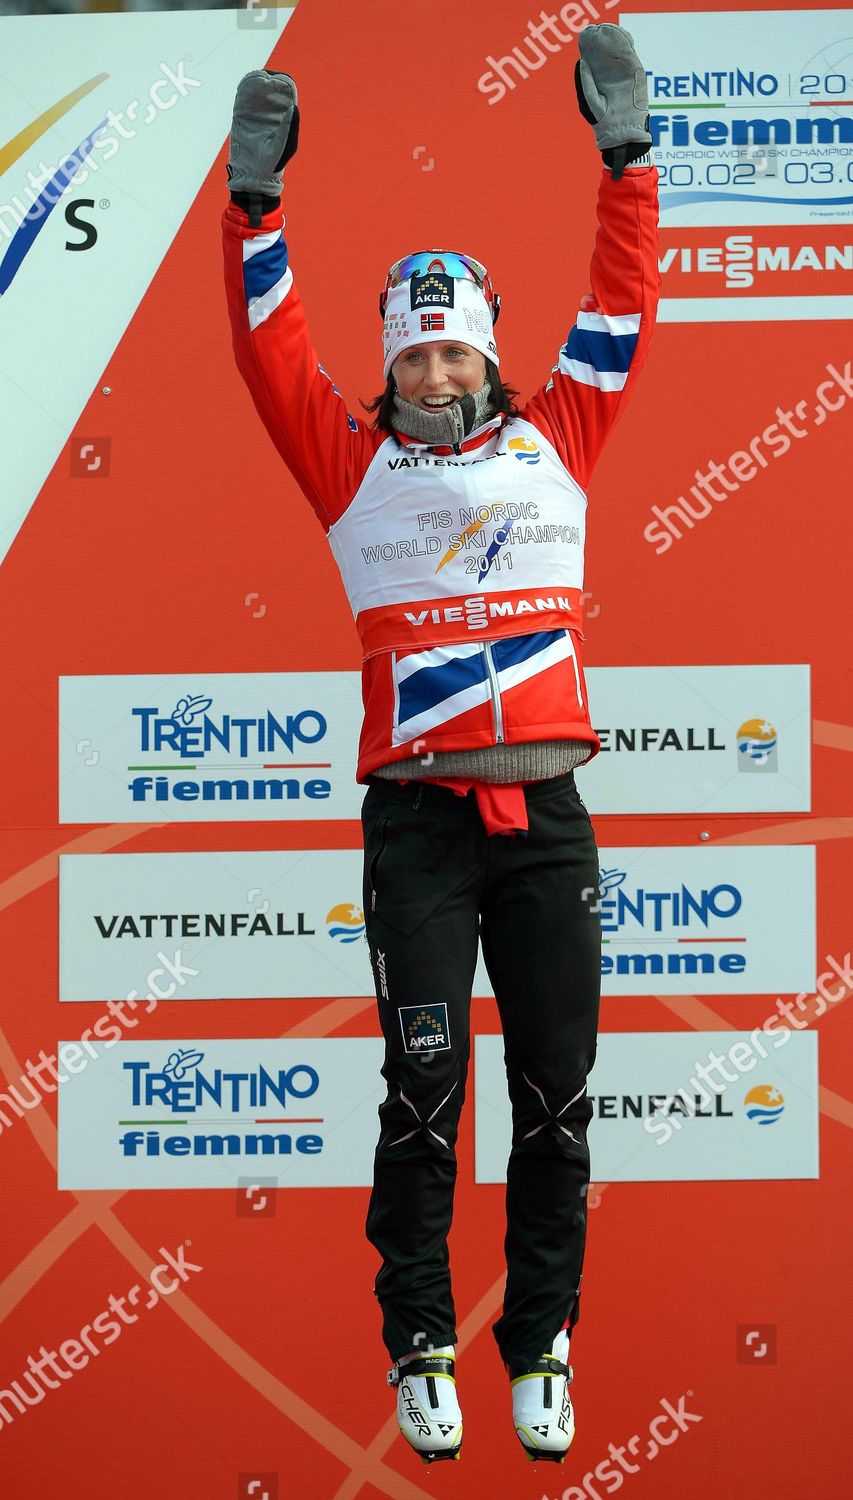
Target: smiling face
[(435, 375)]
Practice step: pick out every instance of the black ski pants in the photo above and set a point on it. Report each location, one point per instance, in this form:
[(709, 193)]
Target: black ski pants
[(435, 883)]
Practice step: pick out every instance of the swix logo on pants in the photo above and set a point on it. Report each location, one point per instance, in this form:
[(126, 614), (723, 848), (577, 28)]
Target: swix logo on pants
[(381, 975)]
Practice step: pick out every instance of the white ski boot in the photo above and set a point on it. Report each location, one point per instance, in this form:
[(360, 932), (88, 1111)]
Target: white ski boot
[(428, 1413), (541, 1405)]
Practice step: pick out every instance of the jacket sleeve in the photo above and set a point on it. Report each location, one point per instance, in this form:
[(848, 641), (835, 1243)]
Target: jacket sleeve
[(605, 350), (323, 445)]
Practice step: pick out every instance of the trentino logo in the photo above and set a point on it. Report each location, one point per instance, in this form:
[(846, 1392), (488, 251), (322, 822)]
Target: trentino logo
[(756, 746), (181, 1086), (224, 1097), (654, 910), (608, 880), (764, 1104), (179, 1063), (661, 926), (190, 732)]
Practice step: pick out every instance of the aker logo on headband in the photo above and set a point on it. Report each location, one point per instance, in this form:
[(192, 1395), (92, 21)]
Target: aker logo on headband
[(425, 1028), (431, 290)]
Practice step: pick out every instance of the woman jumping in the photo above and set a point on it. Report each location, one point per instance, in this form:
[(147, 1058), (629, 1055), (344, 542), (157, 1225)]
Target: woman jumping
[(457, 520)]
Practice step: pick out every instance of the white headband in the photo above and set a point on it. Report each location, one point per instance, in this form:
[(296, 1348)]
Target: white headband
[(431, 307)]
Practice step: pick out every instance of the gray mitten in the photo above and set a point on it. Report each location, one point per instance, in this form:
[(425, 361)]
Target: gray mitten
[(612, 94), (264, 133)]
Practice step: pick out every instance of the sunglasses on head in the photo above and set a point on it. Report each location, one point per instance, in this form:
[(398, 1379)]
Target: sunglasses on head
[(445, 263)]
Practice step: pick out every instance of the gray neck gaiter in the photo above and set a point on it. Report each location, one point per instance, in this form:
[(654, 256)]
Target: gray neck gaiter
[(449, 425)]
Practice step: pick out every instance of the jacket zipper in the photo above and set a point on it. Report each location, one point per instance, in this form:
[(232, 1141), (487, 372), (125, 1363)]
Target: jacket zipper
[(496, 694)]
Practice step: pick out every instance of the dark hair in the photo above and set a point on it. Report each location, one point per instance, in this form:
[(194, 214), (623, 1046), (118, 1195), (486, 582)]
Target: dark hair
[(502, 395)]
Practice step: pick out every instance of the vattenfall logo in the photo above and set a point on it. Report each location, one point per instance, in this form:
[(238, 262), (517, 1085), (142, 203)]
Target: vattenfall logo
[(756, 741), (190, 733), (345, 923), (648, 1106), (660, 737), (764, 1104), (756, 744), (524, 450), (189, 924)]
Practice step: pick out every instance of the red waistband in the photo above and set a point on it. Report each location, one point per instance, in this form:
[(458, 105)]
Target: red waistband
[(502, 807)]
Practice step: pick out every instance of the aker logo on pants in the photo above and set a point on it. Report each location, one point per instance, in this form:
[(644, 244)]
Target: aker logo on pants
[(425, 1028)]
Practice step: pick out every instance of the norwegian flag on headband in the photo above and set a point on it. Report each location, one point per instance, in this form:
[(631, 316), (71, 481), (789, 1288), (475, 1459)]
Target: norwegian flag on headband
[(455, 311)]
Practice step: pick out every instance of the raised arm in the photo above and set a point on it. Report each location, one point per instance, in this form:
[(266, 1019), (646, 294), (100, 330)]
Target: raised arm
[(325, 448), (607, 345)]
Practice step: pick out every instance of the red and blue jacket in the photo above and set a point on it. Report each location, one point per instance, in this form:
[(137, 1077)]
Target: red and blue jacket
[(463, 567)]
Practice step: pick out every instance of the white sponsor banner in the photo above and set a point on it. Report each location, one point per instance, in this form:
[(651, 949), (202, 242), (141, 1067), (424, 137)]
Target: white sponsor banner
[(751, 114), (725, 920), (220, 1113), (202, 746), (289, 924), (754, 309), (110, 129), (699, 740), (263, 924), (211, 746), (655, 1120)]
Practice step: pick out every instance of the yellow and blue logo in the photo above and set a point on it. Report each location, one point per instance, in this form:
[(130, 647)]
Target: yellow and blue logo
[(524, 450), (35, 219), (756, 745), (764, 1104), (345, 923)]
